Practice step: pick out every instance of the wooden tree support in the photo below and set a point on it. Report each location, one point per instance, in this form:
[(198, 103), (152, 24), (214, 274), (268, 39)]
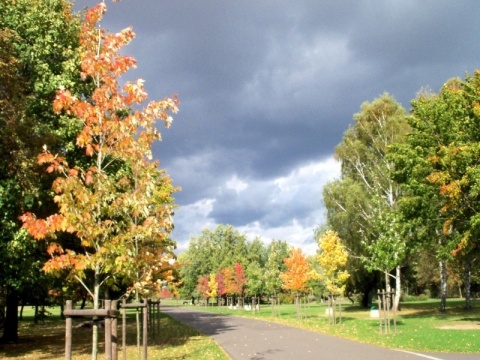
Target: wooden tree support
[(144, 307), (385, 300), (109, 313), (255, 303), (274, 300), (154, 320)]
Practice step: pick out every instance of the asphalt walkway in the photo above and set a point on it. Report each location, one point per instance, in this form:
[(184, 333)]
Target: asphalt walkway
[(243, 338)]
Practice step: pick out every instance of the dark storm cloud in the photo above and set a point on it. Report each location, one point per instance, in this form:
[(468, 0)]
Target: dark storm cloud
[(269, 87)]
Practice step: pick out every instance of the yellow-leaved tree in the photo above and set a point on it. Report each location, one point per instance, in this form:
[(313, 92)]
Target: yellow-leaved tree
[(212, 286), (333, 259)]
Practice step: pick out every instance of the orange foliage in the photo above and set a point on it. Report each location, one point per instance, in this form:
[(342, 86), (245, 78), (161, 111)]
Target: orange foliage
[(298, 272), (111, 216)]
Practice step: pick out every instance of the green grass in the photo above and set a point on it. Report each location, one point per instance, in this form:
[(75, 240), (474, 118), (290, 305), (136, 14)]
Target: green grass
[(46, 341), (420, 325)]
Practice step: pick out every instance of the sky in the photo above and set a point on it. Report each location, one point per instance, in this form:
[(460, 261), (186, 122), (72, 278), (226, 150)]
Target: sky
[(267, 89)]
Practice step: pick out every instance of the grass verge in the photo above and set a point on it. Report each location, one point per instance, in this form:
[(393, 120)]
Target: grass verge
[(420, 325), (45, 341)]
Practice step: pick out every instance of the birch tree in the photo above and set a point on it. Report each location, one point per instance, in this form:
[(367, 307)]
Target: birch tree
[(366, 168)]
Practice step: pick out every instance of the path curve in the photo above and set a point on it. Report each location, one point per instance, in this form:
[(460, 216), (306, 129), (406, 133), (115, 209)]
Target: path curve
[(243, 338)]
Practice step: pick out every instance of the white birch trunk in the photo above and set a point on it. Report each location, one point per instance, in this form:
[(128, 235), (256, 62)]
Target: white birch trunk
[(398, 287)]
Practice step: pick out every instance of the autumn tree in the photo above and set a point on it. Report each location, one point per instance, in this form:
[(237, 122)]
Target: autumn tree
[(240, 279), (297, 275), (221, 288), (232, 280), (228, 275), (102, 201), (333, 260), (212, 286), (439, 168), (202, 287)]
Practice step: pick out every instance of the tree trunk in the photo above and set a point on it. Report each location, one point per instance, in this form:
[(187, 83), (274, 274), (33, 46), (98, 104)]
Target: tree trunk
[(297, 305), (61, 310), (10, 328), (387, 281), (2, 309), (468, 303), (398, 287), (84, 301), (96, 306), (139, 327), (443, 285)]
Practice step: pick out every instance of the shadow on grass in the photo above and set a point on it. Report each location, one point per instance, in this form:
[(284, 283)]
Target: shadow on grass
[(46, 341)]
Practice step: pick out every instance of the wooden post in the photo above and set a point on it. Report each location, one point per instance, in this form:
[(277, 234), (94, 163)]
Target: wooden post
[(68, 332), (108, 313), (388, 311), (145, 331), (329, 309), (124, 329), (334, 310), (158, 311), (150, 318), (114, 306), (385, 313), (108, 331)]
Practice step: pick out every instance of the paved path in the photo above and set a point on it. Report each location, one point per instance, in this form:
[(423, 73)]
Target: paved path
[(253, 339)]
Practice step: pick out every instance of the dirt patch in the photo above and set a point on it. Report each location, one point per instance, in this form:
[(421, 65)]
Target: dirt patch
[(464, 326)]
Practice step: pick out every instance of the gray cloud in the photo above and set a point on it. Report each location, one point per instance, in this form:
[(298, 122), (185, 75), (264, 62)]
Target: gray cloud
[(269, 87)]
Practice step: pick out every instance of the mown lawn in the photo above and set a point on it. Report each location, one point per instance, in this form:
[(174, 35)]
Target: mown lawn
[(420, 325)]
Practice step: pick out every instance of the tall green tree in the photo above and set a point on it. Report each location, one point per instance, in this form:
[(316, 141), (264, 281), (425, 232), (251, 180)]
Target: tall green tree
[(367, 175), (256, 252), (347, 203), (440, 168), (38, 53), (255, 279), (277, 250)]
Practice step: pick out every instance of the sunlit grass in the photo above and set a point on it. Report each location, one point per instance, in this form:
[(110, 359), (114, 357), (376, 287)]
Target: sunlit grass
[(420, 325)]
